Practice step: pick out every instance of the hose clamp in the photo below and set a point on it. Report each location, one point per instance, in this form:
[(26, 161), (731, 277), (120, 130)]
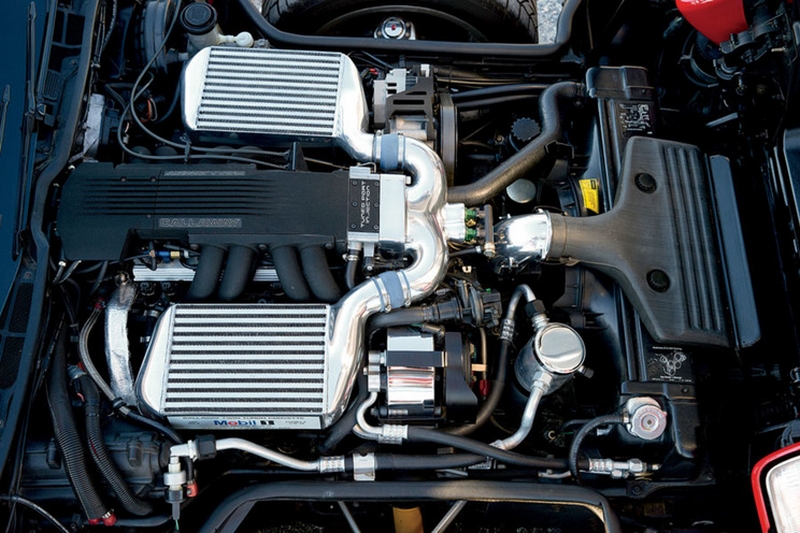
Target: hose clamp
[(364, 467)]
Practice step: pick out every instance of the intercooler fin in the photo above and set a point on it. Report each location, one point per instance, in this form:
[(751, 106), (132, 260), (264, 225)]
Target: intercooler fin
[(214, 366)]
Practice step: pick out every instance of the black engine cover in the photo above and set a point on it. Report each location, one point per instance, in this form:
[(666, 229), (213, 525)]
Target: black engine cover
[(105, 208)]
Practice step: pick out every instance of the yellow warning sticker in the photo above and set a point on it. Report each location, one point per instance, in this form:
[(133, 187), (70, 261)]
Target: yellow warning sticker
[(591, 194)]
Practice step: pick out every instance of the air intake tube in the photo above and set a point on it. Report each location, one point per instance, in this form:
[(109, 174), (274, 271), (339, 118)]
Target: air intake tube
[(318, 274), (516, 166), (206, 277), (426, 242), (238, 270), (288, 268)]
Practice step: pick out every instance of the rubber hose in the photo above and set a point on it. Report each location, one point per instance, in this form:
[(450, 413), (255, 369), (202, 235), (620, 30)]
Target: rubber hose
[(418, 434), (318, 274), (66, 434), (531, 155), (434, 314), (166, 431), (591, 425), (153, 521), (99, 452), (206, 277), (288, 268), (476, 94), (238, 270), (498, 387), (350, 272), (344, 426), (390, 461), (398, 317)]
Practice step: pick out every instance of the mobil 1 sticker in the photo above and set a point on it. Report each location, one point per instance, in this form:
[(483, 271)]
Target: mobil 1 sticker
[(668, 363), (187, 422)]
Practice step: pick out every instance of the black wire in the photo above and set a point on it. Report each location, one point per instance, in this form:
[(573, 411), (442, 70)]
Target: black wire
[(371, 59), (193, 157), (171, 109), (110, 29), (100, 276), (35, 507)]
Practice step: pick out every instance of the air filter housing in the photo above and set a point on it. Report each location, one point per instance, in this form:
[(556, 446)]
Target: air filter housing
[(286, 95)]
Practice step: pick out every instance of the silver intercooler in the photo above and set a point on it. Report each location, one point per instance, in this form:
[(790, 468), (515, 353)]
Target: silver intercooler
[(283, 94), (239, 366)]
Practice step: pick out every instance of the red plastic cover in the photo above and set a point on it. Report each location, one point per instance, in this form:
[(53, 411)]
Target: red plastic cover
[(716, 19)]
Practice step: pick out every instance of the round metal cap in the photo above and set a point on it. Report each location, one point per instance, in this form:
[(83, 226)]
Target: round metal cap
[(559, 348), (647, 420), (393, 28), (521, 191)]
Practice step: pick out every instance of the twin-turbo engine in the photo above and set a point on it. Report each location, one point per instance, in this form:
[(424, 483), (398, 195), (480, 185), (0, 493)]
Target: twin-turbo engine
[(267, 365), (293, 365)]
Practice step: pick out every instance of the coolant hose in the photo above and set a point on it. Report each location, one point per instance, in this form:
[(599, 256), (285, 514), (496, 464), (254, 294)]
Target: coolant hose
[(531, 155), (99, 452), (398, 462), (206, 277), (350, 273), (404, 316), (318, 273), (418, 434), (496, 393), (344, 426), (238, 270), (291, 276), (66, 434), (588, 427)]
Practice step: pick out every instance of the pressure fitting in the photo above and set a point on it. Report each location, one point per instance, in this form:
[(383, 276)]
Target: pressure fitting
[(620, 469), (174, 480)]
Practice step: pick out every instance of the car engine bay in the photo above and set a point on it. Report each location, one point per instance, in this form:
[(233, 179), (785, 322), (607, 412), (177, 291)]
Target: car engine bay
[(364, 267)]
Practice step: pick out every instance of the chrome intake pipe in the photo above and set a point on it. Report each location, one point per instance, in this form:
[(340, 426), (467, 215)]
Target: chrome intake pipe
[(426, 242)]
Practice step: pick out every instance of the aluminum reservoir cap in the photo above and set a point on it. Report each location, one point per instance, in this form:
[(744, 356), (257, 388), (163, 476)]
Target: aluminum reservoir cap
[(559, 348)]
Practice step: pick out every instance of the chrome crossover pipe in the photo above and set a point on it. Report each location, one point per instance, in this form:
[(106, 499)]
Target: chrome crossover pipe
[(426, 243)]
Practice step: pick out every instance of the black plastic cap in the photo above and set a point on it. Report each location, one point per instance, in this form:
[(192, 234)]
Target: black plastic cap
[(206, 447), (198, 18)]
